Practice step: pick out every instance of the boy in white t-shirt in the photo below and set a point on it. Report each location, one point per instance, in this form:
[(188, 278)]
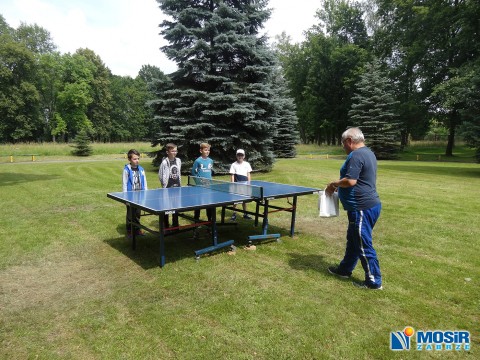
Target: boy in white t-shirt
[(240, 172)]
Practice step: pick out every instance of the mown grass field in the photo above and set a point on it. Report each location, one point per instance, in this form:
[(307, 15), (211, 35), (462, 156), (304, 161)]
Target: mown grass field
[(416, 151), (72, 288)]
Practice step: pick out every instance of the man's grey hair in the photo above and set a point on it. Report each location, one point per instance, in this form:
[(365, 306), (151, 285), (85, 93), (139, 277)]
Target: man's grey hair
[(355, 134)]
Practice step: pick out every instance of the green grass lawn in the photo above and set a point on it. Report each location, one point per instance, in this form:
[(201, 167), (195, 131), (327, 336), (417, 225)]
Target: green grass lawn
[(416, 151), (72, 288)]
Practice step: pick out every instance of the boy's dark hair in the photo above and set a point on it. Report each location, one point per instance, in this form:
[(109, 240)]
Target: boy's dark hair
[(170, 146), (132, 152)]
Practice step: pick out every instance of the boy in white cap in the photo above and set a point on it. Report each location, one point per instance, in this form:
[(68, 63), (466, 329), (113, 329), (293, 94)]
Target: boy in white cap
[(240, 172)]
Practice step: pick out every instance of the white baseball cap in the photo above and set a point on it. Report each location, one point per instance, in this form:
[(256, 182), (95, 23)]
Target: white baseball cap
[(241, 151)]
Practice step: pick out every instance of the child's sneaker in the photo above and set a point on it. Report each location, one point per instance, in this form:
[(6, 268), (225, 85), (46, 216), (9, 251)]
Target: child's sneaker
[(248, 217), (234, 217), (363, 285)]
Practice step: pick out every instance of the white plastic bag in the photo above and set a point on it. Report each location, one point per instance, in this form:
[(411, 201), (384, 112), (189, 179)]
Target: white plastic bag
[(328, 204)]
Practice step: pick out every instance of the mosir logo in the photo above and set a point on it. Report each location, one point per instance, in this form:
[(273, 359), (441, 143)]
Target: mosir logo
[(437, 340), (400, 340)]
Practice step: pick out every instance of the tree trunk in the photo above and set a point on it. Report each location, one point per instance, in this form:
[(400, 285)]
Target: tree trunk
[(451, 142), (404, 138), (451, 134)]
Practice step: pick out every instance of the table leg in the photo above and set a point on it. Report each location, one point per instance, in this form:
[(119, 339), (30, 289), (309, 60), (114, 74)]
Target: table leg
[(265, 218), (257, 209), (294, 212), (215, 245), (223, 215), (161, 226), (265, 235), (133, 230), (214, 227)]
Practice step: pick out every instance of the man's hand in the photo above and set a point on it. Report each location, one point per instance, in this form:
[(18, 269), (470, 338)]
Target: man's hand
[(331, 188)]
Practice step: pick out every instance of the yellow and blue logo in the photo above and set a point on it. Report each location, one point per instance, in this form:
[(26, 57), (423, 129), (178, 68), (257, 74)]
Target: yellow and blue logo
[(439, 340)]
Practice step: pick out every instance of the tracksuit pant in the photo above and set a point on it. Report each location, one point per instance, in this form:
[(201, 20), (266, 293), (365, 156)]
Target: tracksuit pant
[(360, 247)]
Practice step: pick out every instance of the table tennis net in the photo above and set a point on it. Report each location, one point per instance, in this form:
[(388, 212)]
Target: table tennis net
[(226, 186)]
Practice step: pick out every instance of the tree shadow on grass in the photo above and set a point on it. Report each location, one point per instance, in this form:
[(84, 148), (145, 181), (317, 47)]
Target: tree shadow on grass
[(246, 228), (141, 256), (177, 247), (147, 252), (317, 263), (183, 245), (9, 179), (308, 262)]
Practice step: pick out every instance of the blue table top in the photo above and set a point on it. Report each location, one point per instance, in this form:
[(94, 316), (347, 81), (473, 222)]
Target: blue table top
[(196, 197), (276, 190)]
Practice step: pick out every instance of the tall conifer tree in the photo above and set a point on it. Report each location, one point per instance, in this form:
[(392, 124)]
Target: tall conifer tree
[(286, 134), (374, 111), (221, 93)]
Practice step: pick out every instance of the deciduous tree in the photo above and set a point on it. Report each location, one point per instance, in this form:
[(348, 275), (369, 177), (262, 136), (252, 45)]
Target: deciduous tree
[(462, 91), (322, 71), (98, 111), (37, 39), (426, 42), (19, 98)]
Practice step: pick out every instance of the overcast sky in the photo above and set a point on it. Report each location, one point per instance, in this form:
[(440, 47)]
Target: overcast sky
[(125, 33)]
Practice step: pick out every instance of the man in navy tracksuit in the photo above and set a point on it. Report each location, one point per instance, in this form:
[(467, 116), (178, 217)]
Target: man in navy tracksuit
[(358, 193)]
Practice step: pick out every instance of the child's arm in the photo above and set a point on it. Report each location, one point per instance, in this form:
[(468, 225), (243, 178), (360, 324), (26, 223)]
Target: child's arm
[(179, 171), (194, 168), (232, 173), (145, 180), (124, 180), (163, 174), (160, 174)]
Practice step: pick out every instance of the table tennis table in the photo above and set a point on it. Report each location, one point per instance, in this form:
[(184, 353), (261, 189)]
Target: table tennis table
[(211, 194)]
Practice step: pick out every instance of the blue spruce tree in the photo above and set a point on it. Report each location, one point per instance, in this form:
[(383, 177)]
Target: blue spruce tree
[(374, 110), (221, 93)]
